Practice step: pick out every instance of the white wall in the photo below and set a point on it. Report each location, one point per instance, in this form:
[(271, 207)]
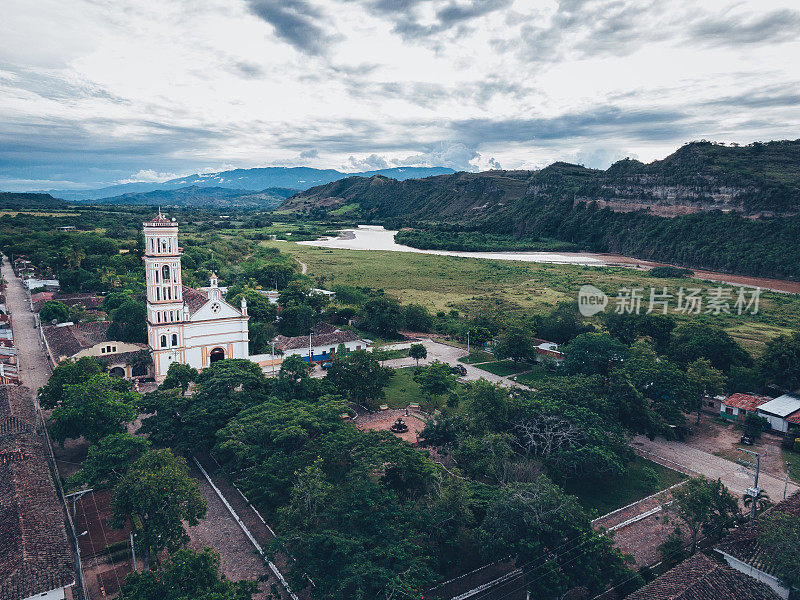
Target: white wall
[(56, 594), (776, 423), (743, 567)]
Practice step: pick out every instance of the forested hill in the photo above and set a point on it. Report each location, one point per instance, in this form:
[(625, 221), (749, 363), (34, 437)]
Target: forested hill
[(697, 207), (701, 176), (29, 200)]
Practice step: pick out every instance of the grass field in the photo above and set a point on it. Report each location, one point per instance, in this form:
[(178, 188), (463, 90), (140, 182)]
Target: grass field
[(504, 368), (601, 495), (474, 286), (537, 374), (403, 390)]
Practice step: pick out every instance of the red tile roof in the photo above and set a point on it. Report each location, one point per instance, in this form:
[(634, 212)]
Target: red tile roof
[(68, 340), (743, 543), (284, 343), (194, 299), (794, 418), (746, 402), (35, 555), (701, 578)]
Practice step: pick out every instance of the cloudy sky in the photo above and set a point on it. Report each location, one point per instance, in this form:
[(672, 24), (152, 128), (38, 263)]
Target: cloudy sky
[(94, 92)]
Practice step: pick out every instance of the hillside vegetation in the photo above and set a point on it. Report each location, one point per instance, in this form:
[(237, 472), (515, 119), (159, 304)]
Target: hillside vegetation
[(705, 206)]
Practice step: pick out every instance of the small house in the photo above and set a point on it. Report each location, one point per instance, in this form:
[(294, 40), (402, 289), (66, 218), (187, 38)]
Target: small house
[(321, 344), (737, 406)]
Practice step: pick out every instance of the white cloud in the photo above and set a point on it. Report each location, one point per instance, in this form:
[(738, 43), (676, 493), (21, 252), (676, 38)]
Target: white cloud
[(148, 176), (111, 87)]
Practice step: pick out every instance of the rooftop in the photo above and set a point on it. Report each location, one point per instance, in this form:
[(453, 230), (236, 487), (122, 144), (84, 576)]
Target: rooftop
[(323, 339), (702, 578), (67, 339), (35, 556), (748, 402), (782, 406)]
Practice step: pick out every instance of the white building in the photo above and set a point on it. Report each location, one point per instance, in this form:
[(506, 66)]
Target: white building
[(321, 344), (185, 325), (780, 411)]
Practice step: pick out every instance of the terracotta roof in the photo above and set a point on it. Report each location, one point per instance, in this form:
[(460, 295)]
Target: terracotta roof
[(743, 543), (35, 555), (325, 339), (795, 418), (747, 402), (120, 357), (68, 340), (87, 301), (194, 299), (701, 578), (323, 327)]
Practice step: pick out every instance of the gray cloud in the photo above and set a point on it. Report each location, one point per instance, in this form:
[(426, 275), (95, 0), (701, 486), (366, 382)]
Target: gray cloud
[(313, 153), (295, 22), (776, 26), (455, 155), (248, 69)]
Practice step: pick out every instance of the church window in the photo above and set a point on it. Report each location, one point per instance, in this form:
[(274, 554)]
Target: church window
[(158, 317), (174, 339), (167, 293), (163, 341), (158, 293), (171, 316), (165, 272), (156, 274)]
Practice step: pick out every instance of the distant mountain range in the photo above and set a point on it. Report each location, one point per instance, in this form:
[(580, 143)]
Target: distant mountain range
[(251, 180), (196, 196)]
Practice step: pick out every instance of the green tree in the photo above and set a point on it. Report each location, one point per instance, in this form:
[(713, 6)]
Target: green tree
[(478, 336), (158, 492), (592, 354), (109, 459), (68, 373), (562, 324), (294, 381), (435, 379), (694, 340), (704, 380), (179, 376), (258, 306), (417, 318), (296, 293), (673, 549), (187, 575), (705, 505), (129, 323), (94, 408), (360, 377), (382, 315), (53, 310), (779, 534), (297, 320), (516, 343), (535, 520), (417, 352), (761, 500), (780, 363)]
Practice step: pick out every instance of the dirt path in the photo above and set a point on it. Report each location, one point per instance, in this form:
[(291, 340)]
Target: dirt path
[(735, 477), (303, 266)]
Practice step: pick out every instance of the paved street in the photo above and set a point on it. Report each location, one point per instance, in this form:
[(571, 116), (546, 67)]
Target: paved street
[(737, 478), (34, 367)]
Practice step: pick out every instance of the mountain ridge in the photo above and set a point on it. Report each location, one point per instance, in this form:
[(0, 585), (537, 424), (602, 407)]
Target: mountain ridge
[(255, 179)]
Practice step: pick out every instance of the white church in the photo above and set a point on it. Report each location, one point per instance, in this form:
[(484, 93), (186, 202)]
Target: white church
[(186, 325)]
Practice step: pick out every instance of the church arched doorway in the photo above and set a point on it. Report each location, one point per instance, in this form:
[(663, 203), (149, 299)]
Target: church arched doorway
[(117, 372), (216, 354)]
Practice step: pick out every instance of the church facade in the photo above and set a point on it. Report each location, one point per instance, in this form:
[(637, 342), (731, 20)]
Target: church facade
[(186, 325)]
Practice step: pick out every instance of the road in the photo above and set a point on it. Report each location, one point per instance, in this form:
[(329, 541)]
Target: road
[(34, 366), (450, 355), (736, 477)]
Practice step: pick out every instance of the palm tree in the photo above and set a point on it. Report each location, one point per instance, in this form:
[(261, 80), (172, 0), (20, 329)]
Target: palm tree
[(761, 500)]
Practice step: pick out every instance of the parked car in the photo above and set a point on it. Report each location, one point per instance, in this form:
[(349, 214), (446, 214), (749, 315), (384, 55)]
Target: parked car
[(460, 370), (326, 365)]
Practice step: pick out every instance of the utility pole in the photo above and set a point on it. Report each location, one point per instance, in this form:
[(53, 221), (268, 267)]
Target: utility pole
[(468, 342), (753, 491), (273, 358), (133, 554), (786, 483)]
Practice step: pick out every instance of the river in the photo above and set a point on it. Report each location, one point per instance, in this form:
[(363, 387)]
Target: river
[(375, 237)]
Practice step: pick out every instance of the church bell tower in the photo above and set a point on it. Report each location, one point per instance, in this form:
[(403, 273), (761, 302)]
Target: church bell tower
[(165, 314)]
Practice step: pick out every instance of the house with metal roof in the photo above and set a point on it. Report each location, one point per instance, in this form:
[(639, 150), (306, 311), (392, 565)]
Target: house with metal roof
[(778, 411)]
